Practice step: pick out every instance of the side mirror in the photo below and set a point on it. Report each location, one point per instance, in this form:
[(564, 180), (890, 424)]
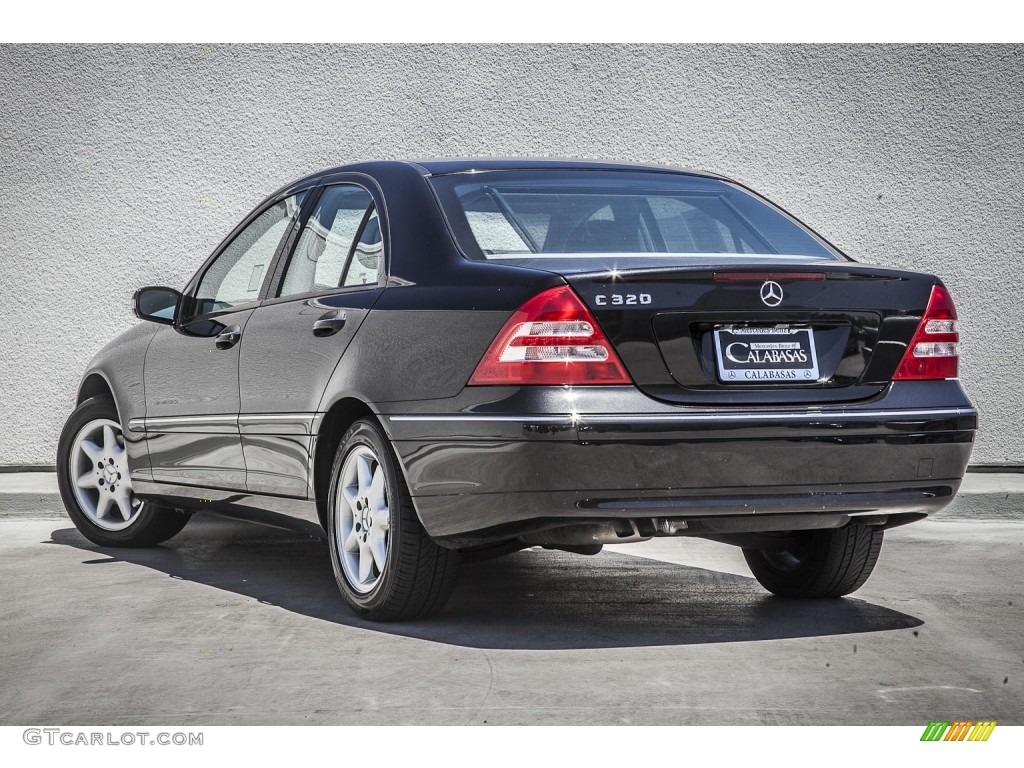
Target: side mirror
[(157, 304)]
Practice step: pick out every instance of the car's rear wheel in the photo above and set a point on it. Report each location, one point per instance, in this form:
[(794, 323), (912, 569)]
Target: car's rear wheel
[(826, 563), (386, 565), (96, 484)]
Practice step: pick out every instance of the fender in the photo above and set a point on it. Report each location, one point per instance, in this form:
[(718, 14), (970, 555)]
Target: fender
[(120, 364)]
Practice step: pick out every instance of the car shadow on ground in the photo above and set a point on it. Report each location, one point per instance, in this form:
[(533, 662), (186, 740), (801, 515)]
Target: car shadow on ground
[(534, 599)]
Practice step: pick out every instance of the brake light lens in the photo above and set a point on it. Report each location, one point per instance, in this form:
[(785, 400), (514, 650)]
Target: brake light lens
[(932, 353), (552, 339)]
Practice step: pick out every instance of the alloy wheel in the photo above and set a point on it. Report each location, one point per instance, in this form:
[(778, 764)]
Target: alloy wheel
[(363, 527), (98, 467)]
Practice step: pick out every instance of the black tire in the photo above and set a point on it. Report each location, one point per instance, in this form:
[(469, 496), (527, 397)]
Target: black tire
[(826, 563), (418, 574), (153, 525)]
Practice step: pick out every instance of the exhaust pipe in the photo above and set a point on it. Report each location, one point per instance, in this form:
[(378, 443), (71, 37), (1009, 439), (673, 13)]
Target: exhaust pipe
[(589, 536)]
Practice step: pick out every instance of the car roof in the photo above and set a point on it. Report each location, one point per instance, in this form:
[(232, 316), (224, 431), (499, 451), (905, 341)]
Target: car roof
[(444, 166), (464, 165)]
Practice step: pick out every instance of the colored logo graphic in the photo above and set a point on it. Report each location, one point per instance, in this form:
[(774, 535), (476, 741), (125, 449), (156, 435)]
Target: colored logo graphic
[(959, 730)]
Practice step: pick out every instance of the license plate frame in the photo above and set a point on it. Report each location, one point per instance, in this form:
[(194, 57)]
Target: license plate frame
[(773, 354)]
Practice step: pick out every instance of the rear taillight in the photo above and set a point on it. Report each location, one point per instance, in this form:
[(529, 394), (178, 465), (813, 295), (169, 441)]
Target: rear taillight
[(932, 352), (552, 339)]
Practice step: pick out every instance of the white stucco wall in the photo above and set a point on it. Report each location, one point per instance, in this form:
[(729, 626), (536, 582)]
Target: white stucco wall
[(125, 165)]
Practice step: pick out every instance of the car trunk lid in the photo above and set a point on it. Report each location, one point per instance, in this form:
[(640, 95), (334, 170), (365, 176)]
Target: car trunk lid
[(758, 333)]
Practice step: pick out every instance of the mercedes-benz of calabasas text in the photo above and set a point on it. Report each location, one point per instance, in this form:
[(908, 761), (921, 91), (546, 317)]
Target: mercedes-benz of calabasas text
[(429, 362)]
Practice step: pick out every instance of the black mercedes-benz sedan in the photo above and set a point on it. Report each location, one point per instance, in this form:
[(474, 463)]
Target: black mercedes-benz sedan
[(456, 359)]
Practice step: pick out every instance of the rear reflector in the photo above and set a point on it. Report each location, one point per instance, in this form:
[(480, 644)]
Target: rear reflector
[(552, 339), (932, 353)]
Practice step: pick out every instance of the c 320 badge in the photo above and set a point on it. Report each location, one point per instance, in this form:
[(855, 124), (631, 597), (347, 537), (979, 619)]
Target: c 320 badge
[(621, 299)]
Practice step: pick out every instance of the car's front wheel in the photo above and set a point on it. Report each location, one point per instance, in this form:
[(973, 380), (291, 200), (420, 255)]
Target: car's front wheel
[(386, 566), (96, 485), (825, 563)]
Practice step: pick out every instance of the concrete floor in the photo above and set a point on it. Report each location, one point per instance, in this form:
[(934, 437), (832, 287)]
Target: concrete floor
[(231, 623)]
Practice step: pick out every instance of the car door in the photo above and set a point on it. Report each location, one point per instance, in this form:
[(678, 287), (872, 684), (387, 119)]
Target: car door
[(294, 341), (191, 370)]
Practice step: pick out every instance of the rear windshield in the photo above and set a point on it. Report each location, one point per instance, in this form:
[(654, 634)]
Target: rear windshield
[(581, 220)]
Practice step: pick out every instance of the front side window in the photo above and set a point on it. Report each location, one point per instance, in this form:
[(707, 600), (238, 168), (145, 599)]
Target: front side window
[(236, 275), (584, 220), (332, 245)]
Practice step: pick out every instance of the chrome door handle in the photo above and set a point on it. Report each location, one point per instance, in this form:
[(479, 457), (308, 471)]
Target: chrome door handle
[(229, 337), (329, 324)]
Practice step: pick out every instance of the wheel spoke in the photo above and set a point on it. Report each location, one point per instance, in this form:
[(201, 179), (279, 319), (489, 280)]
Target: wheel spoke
[(382, 519), (109, 441), (88, 480), (376, 490), (350, 494), (90, 449), (365, 564), (364, 473), (102, 505), (124, 503), (351, 542), (379, 548)]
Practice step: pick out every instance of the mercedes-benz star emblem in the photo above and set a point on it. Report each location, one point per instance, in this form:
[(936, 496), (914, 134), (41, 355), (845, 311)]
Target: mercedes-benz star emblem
[(771, 293)]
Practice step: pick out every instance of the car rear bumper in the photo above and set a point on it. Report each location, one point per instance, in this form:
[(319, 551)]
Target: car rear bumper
[(479, 477)]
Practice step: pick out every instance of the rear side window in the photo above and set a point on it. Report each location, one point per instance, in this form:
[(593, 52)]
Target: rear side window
[(364, 266), (585, 220), (332, 251)]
